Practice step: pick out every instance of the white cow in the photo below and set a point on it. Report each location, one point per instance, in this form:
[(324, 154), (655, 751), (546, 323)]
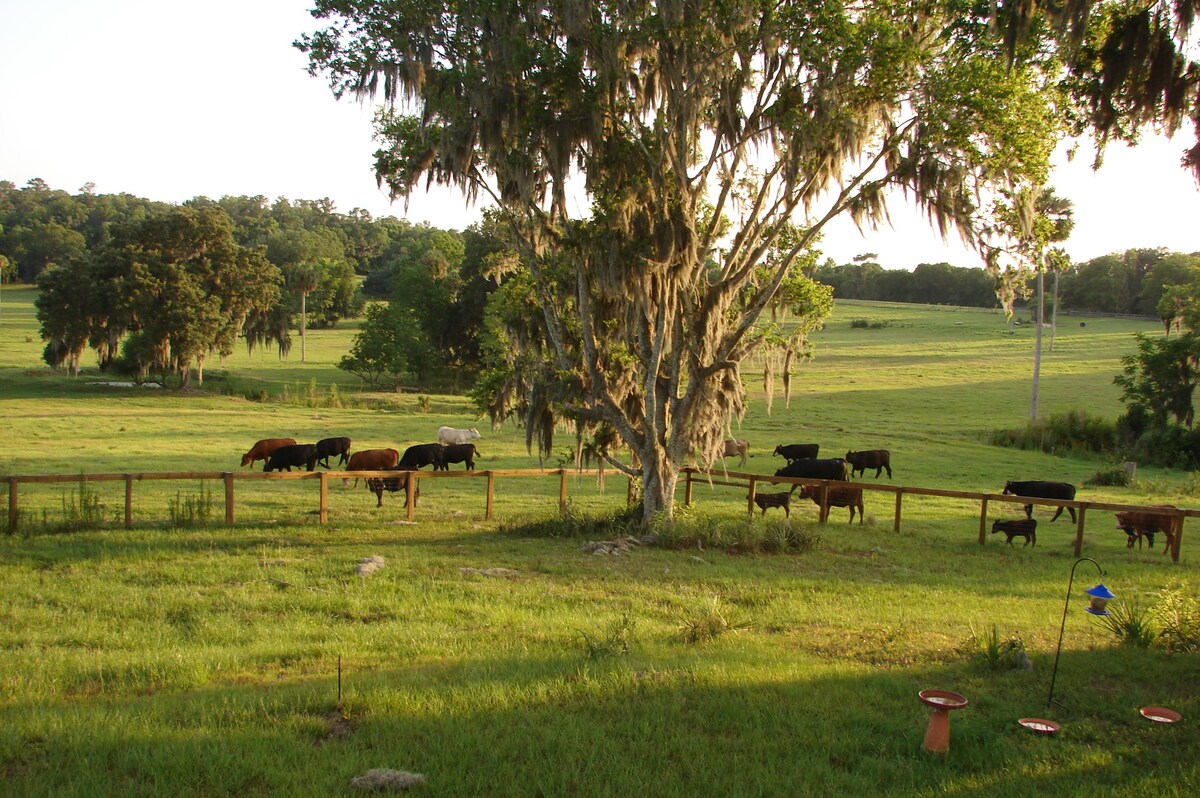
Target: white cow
[(448, 436)]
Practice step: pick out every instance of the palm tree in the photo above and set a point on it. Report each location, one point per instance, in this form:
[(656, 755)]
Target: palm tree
[(304, 279), (1050, 222)]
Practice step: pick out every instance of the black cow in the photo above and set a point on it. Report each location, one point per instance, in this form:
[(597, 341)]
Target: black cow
[(798, 451), (424, 454), (1042, 490), (816, 468), (378, 485), (460, 453), (879, 459), (285, 457), (333, 447)]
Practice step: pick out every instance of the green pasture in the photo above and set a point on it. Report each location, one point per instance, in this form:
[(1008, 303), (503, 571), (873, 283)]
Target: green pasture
[(188, 658)]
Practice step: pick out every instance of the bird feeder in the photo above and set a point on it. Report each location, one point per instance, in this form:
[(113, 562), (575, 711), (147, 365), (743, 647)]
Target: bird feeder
[(1098, 597)]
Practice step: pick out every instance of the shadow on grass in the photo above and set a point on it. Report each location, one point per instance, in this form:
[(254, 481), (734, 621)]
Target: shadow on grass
[(562, 726)]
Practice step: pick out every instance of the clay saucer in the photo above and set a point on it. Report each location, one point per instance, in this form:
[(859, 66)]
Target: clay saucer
[(1039, 725), (1161, 714)]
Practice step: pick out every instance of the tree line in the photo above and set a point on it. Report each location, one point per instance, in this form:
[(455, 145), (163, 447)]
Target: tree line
[(1130, 282)]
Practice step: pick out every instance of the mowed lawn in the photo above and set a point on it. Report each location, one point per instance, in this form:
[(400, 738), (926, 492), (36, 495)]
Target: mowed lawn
[(199, 659)]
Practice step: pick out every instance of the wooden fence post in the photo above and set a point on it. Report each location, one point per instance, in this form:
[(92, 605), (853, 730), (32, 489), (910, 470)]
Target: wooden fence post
[(687, 489), (12, 505), (983, 521), (411, 486), (491, 488), (824, 501), (324, 511), (1178, 539), (129, 501), (1079, 530), (750, 497), (629, 492), (228, 477), (899, 497), (562, 490)]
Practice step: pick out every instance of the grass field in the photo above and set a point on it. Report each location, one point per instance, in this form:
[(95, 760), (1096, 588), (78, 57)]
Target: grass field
[(204, 660)]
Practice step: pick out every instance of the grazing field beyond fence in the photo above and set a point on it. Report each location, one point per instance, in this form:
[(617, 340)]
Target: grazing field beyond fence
[(743, 481)]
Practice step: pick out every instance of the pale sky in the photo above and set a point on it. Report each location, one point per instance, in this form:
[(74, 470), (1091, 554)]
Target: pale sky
[(170, 100)]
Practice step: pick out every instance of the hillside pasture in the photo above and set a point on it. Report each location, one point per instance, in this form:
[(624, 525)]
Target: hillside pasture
[(199, 659)]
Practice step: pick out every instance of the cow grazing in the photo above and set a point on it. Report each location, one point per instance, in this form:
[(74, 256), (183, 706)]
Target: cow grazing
[(296, 455), (837, 497), (378, 485), (450, 435), (1042, 490), (782, 499), (424, 454), (1020, 527), (372, 460), (834, 468), (798, 451), (460, 453), (736, 447), (333, 447), (264, 449), (879, 459), (1143, 524)]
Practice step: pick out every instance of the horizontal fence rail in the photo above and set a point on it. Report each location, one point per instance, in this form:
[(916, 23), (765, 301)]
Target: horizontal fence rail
[(747, 482)]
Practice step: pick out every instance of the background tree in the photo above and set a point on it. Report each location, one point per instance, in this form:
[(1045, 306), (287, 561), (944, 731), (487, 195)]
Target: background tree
[(702, 133), (303, 279)]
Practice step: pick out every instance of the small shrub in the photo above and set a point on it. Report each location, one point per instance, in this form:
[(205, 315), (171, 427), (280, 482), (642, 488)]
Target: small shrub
[(334, 400), (997, 654), (1070, 433), (866, 324), (709, 621), (1130, 623), (424, 404), (1109, 477), (610, 640), (749, 535)]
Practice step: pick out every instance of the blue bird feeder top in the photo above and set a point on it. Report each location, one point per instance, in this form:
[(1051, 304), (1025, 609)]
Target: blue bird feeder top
[(1100, 596)]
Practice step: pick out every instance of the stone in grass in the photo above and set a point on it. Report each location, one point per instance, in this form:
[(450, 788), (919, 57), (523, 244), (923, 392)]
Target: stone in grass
[(370, 565), (386, 779)]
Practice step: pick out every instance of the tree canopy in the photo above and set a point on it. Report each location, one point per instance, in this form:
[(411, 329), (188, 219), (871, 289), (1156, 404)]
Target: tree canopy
[(665, 166)]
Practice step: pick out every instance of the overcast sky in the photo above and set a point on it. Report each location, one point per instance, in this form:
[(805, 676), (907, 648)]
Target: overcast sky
[(170, 100)]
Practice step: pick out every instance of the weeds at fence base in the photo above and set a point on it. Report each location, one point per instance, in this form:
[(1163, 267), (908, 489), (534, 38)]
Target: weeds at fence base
[(81, 509), (189, 510)]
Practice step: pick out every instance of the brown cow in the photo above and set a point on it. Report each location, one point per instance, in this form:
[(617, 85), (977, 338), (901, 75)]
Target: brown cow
[(1138, 525), (838, 497), (878, 459), (1017, 528), (378, 485), (264, 449), (371, 460)]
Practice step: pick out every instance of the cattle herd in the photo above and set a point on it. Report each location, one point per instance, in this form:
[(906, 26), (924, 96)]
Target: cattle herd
[(455, 446), (284, 454)]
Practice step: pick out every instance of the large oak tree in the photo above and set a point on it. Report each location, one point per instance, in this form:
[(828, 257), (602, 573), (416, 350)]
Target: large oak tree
[(666, 166)]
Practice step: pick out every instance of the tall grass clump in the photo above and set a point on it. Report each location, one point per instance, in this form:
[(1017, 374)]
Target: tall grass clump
[(1072, 433), (996, 654), (709, 621), (611, 639), (746, 535), (1178, 616), (81, 508), (189, 510), (573, 522)]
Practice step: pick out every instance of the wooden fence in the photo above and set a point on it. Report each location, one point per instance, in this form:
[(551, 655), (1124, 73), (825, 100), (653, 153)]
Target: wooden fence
[(747, 482)]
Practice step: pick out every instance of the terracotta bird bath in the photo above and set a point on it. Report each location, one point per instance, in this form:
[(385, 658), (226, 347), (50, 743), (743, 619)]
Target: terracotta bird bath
[(937, 734)]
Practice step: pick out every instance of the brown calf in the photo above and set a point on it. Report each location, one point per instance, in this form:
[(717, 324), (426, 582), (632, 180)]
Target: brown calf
[(765, 500), (1021, 527)]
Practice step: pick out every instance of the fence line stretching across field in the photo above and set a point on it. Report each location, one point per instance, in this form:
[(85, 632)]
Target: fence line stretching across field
[(748, 482)]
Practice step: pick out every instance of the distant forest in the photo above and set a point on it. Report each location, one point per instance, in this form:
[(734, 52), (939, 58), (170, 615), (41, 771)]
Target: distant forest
[(304, 260)]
